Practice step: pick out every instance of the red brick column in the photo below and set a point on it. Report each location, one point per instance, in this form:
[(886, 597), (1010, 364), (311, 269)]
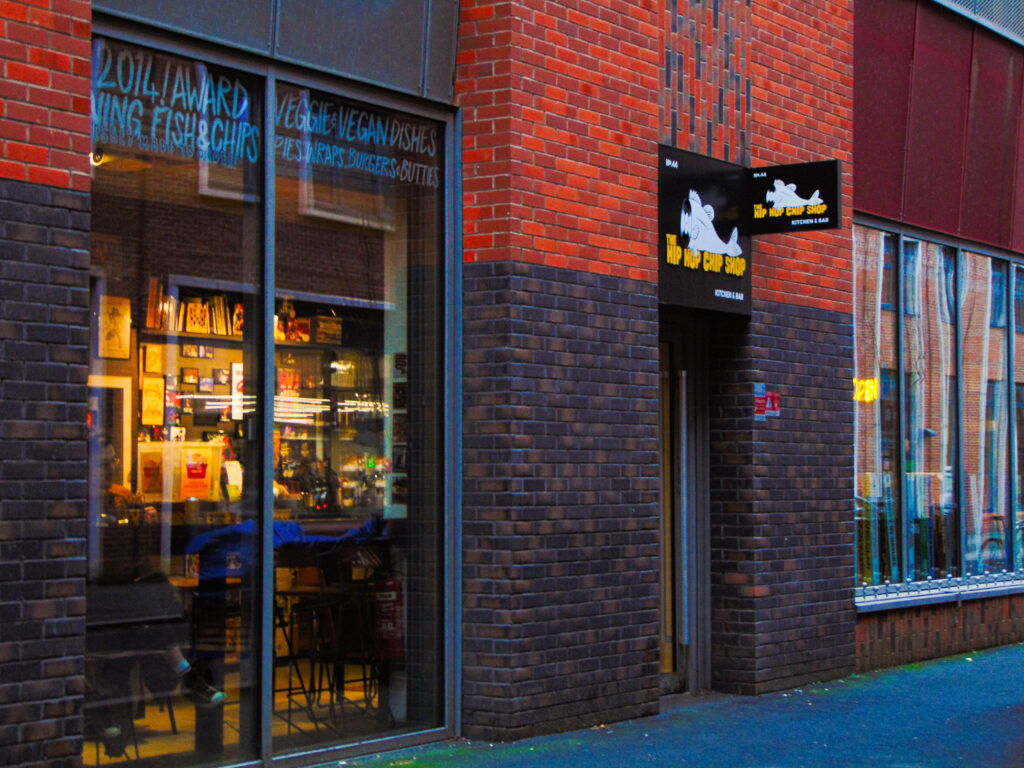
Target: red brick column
[(44, 182), (559, 107)]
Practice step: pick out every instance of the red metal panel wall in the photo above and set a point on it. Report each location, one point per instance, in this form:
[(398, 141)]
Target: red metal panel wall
[(986, 211), (884, 32), (938, 120)]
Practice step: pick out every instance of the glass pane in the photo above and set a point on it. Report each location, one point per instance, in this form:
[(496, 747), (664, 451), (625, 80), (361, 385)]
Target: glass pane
[(357, 506), (931, 522), (171, 601), (984, 414), (1018, 386), (876, 409)]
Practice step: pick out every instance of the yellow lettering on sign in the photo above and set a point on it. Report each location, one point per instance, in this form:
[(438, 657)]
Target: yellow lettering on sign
[(691, 260), (760, 211), (817, 208), (774, 213), (712, 262), (735, 265), (794, 210), (673, 251)]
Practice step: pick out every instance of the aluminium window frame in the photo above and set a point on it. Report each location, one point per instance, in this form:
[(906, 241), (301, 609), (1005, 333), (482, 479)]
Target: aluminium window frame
[(449, 458), (888, 596)]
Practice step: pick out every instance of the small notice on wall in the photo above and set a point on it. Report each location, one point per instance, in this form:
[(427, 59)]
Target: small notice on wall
[(766, 402)]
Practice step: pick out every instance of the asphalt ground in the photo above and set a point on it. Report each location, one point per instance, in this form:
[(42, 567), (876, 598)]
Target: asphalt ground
[(960, 711)]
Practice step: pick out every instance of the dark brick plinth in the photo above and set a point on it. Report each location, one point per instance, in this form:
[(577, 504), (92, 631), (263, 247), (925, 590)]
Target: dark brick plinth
[(560, 507)]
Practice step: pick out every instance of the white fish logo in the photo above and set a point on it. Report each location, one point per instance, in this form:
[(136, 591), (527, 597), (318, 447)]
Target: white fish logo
[(703, 237), (785, 196)]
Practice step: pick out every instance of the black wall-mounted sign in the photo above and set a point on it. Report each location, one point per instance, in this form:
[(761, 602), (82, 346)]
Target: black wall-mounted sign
[(703, 253), (795, 198)]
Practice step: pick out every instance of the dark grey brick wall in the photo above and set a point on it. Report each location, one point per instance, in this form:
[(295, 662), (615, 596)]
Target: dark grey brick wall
[(781, 501), (44, 337), (560, 506)]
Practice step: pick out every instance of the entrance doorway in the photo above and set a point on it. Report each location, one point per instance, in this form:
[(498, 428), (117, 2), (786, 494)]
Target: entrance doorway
[(684, 519)]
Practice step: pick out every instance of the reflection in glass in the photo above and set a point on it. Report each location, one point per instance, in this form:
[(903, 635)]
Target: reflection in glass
[(357, 605), (931, 518), (1018, 386), (170, 671), (984, 413), (876, 409)]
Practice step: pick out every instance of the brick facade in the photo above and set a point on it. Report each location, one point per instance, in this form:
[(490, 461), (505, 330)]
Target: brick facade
[(907, 635), (44, 334), (781, 489), (46, 55), (559, 105), (781, 529), (560, 510)]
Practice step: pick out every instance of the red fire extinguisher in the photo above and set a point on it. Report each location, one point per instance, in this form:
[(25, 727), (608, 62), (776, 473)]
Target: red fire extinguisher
[(388, 597)]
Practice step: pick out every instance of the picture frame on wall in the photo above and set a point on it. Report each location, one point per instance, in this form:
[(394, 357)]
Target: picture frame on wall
[(190, 376), (205, 384), (115, 328), (152, 358), (152, 401)]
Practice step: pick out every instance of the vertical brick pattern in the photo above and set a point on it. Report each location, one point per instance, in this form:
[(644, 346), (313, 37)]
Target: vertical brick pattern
[(560, 513), (44, 336), (891, 638), (559, 103), (705, 103), (46, 61)]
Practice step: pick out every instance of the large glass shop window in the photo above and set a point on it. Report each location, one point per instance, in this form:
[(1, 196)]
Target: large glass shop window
[(176, 508), (358, 340), (934, 450), (877, 446), (171, 599), (930, 394)]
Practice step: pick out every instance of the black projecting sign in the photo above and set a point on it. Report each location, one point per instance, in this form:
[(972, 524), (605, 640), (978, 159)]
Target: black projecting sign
[(703, 252), (795, 198)]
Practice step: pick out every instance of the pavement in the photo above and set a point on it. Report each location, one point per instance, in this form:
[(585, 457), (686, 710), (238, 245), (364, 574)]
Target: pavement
[(960, 711)]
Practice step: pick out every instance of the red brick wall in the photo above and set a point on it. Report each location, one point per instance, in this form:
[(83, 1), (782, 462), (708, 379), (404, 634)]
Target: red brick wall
[(560, 131), (45, 51), (891, 638), (801, 67)]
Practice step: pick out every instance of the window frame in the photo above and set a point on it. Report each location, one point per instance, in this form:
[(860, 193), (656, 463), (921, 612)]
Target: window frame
[(449, 452), (888, 595)]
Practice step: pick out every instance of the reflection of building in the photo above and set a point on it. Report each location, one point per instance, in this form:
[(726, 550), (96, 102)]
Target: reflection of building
[(406, 464)]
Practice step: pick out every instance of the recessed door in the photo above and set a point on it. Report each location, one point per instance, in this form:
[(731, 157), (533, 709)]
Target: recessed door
[(685, 617)]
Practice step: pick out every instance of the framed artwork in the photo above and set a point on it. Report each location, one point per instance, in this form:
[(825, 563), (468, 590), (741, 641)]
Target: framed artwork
[(221, 376), (153, 358), (190, 376), (197, 317), (206, 384), (190, 350), (152, 401), (115, 328), (204, 351)]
